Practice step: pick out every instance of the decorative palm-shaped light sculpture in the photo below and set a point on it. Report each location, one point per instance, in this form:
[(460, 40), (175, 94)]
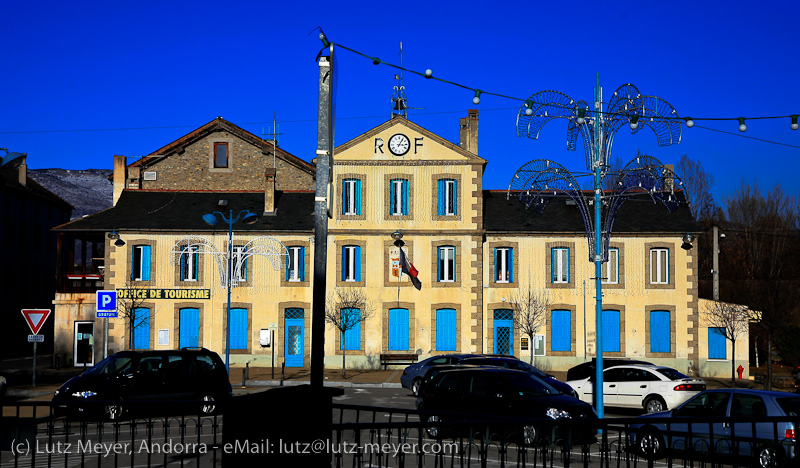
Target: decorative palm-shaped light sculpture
[(539, 181)]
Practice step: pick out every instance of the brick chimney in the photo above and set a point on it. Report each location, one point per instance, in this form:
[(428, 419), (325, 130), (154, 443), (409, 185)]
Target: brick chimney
[(469, 131), (120, 177), (269, 191), (23, 171)]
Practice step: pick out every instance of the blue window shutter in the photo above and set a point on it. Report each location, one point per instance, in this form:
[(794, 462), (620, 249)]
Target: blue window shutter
[(404, 201), (398, 329), (301, 253), (560, 330), (288, 263), (345, 196), (660, 331), (141, 331), (438, 264), (392, 195), (352, 337), (553, 266), (238, 328), (184, 258), (440, 195), (446, 330), (510, 265), (358, 196), (455, 197), (716, 344), (566, 263), (145, 263), (357, 255), (611, 338), (189, 328), (344, 262)]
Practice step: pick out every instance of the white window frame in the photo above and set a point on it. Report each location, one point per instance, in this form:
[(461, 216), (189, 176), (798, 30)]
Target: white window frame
[(349, 263), (238, 254), (449, 192), (561, 254), (350, 190), (397, 189), (294, 263), (502, 259), (191, 266), (657, 257), (447, 254), (613, 259)]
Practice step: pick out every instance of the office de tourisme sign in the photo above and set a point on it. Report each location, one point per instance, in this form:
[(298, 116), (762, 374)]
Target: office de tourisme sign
[(163, 294)]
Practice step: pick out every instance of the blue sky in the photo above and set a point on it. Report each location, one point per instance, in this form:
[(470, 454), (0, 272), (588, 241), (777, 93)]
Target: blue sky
[(150, 72)]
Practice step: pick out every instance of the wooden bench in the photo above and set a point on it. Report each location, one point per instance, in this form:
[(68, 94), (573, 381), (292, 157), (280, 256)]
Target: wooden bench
[(407, 359)]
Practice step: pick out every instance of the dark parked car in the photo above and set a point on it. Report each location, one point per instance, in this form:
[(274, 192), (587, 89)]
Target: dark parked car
[(725, 423), (195, 374), (501, 395), (587, 369), (413, 374), (514, 363)]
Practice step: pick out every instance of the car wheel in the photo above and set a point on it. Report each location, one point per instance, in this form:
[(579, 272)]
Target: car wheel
[(113, 411), (528, 435), (651, 445), (415, 386), (208, 404), (432, 431), (767, 457), (655, 405)]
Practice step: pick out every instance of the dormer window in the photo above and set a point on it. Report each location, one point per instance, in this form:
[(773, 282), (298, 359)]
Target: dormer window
[(220, 155)]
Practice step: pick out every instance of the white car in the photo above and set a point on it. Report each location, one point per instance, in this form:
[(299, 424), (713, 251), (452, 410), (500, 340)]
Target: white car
[(654, 388)]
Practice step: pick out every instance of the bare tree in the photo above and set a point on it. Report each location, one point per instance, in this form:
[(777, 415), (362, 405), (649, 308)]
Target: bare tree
[(696, 186), (763, 228), (346, 309), (128, 308), (530, 311), (731, 321)]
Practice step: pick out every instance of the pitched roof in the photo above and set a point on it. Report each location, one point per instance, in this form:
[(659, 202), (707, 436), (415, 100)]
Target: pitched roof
[(216, 125), (639, 214), (182, 212), (9, 181)]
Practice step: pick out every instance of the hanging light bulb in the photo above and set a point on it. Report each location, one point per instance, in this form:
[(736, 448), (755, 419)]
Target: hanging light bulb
[(428, 73), (477, 99), (634, 122), (529, 107), (581, 116), (794, 122), (689, 122), (742, 126)]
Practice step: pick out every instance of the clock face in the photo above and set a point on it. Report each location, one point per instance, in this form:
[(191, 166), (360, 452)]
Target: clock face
[(399, 144)]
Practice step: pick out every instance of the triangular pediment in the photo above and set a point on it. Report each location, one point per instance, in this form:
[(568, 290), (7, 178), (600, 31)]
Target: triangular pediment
[(422, 145)]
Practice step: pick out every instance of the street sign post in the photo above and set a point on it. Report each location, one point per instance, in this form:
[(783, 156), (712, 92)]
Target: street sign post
[(35, 318), (106, 308)]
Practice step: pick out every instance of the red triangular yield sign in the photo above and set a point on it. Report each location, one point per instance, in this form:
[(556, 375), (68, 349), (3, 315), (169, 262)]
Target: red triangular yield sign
[(35, 318)]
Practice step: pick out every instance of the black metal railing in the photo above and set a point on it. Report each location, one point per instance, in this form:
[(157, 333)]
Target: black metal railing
[(33, 434)]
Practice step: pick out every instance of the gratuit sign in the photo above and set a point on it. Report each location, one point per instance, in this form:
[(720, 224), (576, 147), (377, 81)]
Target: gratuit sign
[(163, 294)]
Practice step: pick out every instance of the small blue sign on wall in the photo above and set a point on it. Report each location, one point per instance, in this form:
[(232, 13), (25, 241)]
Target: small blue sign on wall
[(106, 302)]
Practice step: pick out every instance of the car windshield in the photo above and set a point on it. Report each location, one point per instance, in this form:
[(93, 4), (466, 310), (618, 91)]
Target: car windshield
[(790, 406), (672, 374), (529, 385), (110, 366)]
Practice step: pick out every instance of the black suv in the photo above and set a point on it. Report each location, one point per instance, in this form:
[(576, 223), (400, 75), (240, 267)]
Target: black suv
[(516, 404), (189, 374)]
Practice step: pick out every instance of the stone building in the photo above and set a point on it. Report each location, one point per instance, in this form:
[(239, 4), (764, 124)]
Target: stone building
[(475, 250)]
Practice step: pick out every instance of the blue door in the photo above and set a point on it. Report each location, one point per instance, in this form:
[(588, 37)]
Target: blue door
[(189, 328), (503, 332), (398, 329), (611, 331), (294, 337)]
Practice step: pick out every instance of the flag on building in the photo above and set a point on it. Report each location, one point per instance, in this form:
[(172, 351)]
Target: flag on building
[(408, 268)]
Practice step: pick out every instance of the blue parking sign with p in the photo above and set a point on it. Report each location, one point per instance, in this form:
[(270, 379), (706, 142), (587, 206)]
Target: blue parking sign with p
[(107, 302)]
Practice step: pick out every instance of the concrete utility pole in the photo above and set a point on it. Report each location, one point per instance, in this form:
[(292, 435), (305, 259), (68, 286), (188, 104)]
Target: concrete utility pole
[(716, 263), (322, 202)]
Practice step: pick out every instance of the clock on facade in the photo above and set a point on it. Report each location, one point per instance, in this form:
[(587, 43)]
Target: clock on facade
[(399, 144)]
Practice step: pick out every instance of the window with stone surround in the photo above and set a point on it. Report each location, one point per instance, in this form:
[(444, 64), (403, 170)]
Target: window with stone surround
[(221, 155)]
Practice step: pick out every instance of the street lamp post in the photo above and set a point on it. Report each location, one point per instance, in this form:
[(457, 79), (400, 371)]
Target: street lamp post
[(247, 217)]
